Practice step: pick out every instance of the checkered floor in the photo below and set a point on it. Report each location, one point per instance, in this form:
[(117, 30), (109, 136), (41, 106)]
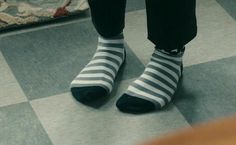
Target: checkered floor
[(37, 65)]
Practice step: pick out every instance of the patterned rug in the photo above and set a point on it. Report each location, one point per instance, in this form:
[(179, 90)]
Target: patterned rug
[(14, 13)]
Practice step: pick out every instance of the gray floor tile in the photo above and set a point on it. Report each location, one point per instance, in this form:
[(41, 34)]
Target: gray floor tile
[(5, 72), (20, 126), (61, 116), (133, 5), (45, 61), (10, 91), (215, 40), (216, 34), (136, 35), (229, 6), (208, 91)]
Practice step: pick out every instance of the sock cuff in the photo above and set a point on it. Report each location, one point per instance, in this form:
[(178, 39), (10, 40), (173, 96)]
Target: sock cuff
[(172, 53), (176, 57), (114, 40), (119, 36)]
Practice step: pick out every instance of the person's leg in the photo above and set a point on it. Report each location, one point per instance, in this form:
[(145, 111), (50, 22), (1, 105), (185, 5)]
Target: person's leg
[(97, 78), (171, 24), (108, 16)]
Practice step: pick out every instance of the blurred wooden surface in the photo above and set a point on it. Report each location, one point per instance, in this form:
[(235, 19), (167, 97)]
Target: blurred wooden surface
[(220, 132)]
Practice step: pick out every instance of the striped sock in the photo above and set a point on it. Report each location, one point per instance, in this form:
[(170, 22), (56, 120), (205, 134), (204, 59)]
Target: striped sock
[(155, 87), (97, 78)]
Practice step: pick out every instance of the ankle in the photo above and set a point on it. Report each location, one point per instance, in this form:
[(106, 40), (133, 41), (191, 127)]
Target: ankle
[(179, 51), (115, 37)]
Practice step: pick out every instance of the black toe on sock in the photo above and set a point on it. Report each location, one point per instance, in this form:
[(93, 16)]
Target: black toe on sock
[(87, 94), (129, 104)]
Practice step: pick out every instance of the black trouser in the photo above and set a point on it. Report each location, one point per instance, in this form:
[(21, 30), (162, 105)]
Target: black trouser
[(171, 23)]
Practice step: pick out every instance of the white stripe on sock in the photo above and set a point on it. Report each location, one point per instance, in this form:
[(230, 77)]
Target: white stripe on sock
[(167, 56), (113, 41), (171, 72), (97, 75), (151, 88), (101, 68), (150, 78), (163, 76), (107, 54), (111, 49), (168, 62), (104, 61)]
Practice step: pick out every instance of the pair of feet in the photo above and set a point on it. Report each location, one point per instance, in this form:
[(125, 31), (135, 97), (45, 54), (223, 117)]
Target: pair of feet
[(153, 90)]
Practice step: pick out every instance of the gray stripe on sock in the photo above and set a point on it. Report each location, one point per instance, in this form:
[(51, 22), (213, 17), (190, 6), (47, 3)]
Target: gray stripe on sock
[(104, 64), (112, 52), (149, 92), (168, 66), (97, 71), (108, 59), (160, 79), (164, 72), (155, 86), (173, 61)]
